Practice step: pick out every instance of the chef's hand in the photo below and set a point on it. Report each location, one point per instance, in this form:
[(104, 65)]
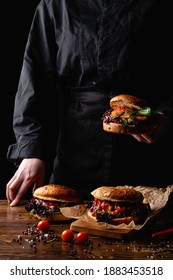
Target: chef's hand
[(161, 127), (30, 172)]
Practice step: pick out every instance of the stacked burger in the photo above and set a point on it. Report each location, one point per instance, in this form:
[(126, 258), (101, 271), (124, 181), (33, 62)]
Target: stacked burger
[(128, 114), (117, 205), (47, 201)]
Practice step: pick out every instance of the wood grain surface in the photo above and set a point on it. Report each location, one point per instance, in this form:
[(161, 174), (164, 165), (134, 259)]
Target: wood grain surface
[(99, 231), (16, 245)]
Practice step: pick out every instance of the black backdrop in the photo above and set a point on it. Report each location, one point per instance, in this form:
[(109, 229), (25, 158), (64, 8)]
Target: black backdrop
[(17, 17), (15, 25)]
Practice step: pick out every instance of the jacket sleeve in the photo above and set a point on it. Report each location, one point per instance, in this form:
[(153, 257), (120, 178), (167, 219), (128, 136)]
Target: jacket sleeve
[(35, 99)]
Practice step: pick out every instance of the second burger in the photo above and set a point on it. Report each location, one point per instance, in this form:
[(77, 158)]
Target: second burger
[(47, 201), (118, 205)]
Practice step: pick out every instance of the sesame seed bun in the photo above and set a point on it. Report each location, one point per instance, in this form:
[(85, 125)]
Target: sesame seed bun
[(53, 192), (118, 193), (130, 100), (130, 129), (117, 221), (56, 217)]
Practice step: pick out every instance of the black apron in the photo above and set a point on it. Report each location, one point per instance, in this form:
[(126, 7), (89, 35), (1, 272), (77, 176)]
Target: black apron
[(84, 149)]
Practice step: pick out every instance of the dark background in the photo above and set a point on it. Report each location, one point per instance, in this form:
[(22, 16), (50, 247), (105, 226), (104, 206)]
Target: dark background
[(15, 25), (17, 17)]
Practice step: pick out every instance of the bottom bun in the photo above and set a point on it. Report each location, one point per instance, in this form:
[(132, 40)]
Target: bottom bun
[(129, 129), (57, 217), (118, 221)]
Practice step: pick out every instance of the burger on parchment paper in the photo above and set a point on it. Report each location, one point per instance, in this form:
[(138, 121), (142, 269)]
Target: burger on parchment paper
[(47, 201), (117, 205), (128, 114)]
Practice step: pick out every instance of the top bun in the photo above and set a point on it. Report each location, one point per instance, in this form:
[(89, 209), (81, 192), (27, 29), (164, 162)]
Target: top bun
[(54, 192), (118, 193), (129, 100)]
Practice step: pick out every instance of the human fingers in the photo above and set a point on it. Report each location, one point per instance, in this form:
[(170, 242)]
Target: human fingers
[(11, 187), (146, 138), (7, 190), (19, 193), (38, 183)]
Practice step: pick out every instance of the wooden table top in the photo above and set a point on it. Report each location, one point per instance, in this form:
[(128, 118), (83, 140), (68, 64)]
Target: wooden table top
[(15, 245)]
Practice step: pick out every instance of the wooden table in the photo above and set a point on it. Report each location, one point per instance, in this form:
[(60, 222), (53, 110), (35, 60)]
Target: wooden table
[(15, 245)]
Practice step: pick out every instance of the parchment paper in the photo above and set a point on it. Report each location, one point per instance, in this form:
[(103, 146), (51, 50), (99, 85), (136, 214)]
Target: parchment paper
[(155, 197)]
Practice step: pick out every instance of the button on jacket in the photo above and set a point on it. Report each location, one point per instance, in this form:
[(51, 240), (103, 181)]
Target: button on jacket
[(78, 55)]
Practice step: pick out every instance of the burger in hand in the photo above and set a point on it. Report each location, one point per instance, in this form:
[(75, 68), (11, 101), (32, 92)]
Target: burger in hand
[(47, 201), (117, 205), (128, 114)]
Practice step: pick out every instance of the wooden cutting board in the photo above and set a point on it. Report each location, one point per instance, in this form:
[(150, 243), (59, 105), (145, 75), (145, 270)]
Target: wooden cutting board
[(79, 225)]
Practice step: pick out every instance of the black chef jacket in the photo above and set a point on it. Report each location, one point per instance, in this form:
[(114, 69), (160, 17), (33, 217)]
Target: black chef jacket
[(78, 55)]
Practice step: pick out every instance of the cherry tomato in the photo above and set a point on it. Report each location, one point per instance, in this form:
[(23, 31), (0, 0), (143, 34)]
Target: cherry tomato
[(43, 225), (67, 235), (82, 237)]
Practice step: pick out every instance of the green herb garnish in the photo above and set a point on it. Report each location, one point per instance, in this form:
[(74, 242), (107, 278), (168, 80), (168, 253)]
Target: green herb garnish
[(147, 111)]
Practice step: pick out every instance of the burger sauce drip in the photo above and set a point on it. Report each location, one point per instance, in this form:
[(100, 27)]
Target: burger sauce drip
[(105, 206), (117, 210)]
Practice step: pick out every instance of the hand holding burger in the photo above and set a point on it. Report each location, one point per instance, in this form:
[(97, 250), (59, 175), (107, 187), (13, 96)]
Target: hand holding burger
[(161, 128), (128, 114)]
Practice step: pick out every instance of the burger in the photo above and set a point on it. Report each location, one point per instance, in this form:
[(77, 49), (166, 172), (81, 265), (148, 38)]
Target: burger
[(47, 201), (128, 114), (117, 205)]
